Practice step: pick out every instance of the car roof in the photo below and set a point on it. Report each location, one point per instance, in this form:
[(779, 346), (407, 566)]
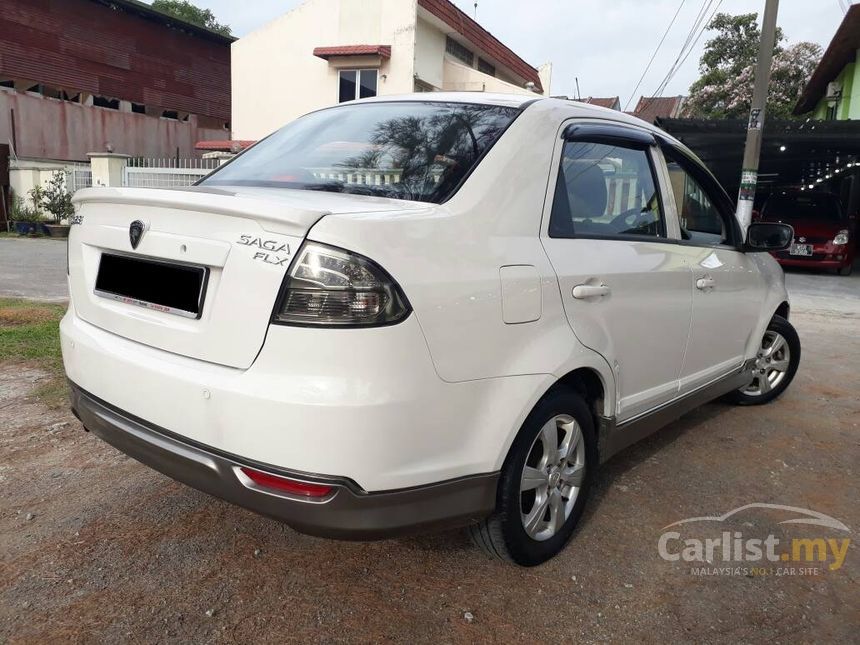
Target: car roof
[(479, 98), (564, 106)]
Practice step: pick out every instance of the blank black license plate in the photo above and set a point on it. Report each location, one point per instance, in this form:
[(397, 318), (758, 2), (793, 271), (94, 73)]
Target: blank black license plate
[(154, 284)]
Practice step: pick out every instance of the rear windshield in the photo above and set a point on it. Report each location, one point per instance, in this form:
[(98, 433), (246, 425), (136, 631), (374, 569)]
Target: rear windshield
[(415, 151), (821, 207)]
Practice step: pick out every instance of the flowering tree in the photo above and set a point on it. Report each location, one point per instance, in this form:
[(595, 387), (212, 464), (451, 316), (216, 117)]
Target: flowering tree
[(724, 90)]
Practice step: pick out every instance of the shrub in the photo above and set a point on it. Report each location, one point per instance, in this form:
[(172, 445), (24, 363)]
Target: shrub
[(23, 212), (56, 199)]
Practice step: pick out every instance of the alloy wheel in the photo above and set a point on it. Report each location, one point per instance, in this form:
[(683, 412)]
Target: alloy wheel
[(771, 366), (552, 477)]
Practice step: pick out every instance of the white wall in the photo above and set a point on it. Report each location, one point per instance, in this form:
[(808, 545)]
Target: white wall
[(276, 77), (429, 53), (25, 175), (434, 66), (461, 78)]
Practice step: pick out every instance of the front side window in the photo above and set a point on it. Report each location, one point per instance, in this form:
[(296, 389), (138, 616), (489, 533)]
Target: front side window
[(405, 150), (700, 219), (605, 190), (357, 84)]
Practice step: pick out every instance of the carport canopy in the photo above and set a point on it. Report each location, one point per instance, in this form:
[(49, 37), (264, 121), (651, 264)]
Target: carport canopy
[(794, 154)]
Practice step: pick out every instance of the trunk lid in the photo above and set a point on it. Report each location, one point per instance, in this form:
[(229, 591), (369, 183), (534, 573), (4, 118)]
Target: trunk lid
[(243, 240)]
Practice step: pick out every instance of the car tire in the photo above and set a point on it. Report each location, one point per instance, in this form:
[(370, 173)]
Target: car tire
[(779, 348), (539, 488), (846, 270)]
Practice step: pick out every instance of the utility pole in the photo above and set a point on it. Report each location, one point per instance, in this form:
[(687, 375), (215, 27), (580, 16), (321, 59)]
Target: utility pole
[(752, 151)]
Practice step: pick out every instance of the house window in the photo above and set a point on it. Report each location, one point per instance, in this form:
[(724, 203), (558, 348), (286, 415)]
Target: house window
[(486, 68), (459, 52), (105, 102), (357, 84)]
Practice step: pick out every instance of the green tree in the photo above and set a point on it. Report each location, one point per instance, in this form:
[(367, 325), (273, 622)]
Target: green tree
[(727, 67), (188, 12)]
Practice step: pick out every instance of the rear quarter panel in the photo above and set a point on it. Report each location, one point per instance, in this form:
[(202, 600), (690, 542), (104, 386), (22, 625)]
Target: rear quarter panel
[(447, 259)]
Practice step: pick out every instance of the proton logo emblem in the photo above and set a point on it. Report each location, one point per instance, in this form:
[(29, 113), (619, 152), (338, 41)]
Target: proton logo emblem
[(135, 232), (801, 240)]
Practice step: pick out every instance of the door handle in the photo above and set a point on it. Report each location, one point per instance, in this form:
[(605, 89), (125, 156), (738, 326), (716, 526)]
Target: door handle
[(705, 283), (581, 291)]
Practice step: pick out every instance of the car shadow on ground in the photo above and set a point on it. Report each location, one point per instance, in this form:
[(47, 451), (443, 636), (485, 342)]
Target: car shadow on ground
[(608, 473), (640, 452)]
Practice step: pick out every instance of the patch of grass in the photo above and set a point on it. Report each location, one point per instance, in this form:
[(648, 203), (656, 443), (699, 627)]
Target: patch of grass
[(29, 331)]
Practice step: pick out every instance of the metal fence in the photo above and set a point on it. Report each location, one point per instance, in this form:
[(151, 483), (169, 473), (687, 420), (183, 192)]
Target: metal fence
[(78, 176), (166, 173)]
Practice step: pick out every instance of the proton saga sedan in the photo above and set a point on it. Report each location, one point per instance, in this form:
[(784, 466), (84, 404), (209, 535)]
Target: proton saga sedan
[(401, 314)]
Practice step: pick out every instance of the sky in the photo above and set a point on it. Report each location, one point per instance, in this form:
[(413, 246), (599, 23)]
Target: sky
[(606, 44)]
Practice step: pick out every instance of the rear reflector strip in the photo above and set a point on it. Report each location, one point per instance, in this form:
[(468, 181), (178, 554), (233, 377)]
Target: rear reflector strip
[(277, 483)]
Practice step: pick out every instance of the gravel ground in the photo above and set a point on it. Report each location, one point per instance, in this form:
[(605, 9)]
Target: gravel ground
[(95, 547)]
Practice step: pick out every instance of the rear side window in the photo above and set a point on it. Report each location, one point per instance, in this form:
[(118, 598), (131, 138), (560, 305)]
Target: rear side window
[(606, 191), (415, 151)]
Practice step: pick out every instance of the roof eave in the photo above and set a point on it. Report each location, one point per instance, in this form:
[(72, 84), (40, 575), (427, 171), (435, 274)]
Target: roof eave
[(844, 44), (146, 11), (463, 17)]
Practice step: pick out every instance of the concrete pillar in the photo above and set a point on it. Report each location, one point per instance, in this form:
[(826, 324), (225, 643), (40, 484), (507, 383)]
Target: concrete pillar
[(107, 168)]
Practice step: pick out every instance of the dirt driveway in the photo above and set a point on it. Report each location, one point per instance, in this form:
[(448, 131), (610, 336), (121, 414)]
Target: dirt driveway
[(95, 547)]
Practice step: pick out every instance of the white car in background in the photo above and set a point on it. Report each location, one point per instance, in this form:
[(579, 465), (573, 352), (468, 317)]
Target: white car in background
[(406, 313)]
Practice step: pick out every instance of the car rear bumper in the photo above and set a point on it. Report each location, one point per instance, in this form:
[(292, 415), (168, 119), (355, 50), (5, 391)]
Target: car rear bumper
[(346, 513), (363, 404)]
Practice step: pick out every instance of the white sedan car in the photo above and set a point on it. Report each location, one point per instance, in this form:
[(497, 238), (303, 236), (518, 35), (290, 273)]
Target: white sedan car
[(406, 313)]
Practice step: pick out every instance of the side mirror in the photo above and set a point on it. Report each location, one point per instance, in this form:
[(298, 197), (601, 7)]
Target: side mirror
[(768, 236), (756, 215)]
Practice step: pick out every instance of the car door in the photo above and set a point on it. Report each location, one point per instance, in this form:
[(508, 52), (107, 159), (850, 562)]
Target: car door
[(624, 284), (728, 288)]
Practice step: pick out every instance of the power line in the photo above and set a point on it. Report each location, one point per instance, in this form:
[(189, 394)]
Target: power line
[(699, 17), (695, 42), (692, 41), (659, 45), (699, 28)]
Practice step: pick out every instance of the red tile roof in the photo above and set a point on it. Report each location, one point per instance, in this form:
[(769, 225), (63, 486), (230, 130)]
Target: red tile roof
[(223, 146), (353, 50), (650, 108), (481, 38), (612, 102)]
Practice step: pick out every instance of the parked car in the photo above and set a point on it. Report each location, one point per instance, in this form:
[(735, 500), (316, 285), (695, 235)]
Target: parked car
[(401, 314), (823, 237)]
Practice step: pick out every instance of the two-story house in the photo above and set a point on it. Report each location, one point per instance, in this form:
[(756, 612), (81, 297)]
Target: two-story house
[(329, 51)]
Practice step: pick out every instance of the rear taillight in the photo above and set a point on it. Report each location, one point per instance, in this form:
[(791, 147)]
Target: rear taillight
[(330, 287), (280, 484)]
